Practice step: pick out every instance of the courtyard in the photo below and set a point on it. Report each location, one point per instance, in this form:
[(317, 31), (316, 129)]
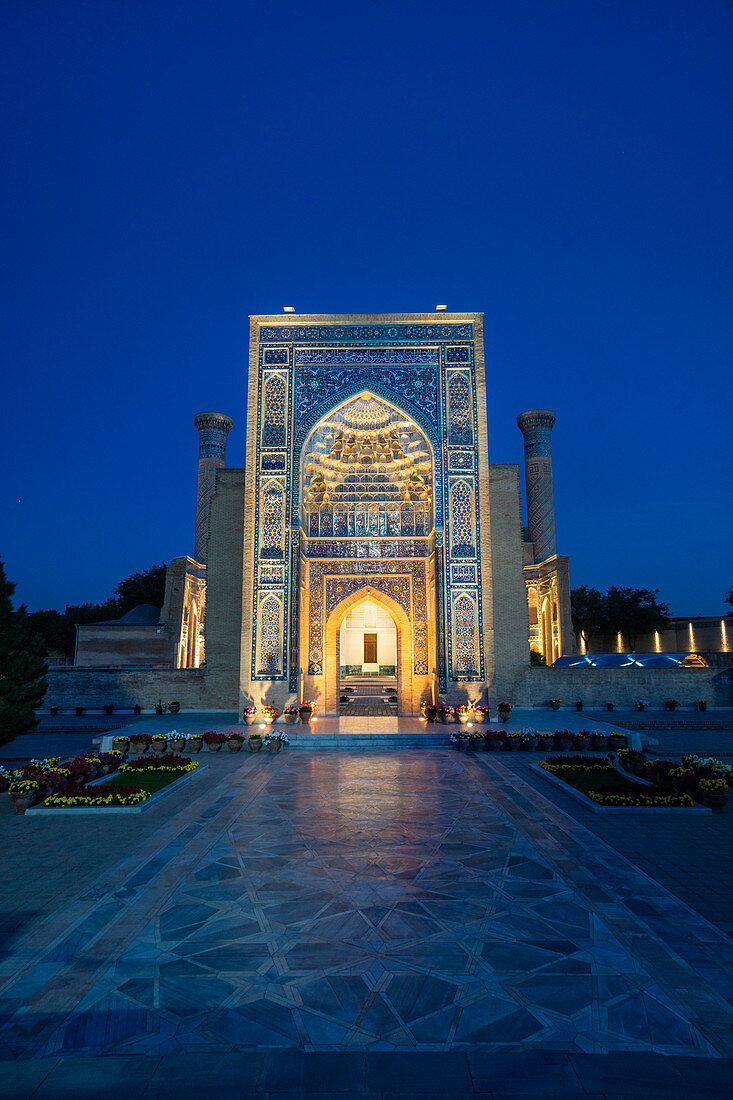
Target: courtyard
[(379, 922)]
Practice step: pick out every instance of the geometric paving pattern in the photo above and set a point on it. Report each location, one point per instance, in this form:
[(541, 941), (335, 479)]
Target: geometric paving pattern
[(409, 901)]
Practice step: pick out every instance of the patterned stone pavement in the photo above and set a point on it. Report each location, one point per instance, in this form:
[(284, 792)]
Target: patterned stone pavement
[(425, 901)]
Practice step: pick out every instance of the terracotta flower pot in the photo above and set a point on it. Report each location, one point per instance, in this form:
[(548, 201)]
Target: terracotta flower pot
[(254, 744), (22, 800), (274, 746), (177, 745), (138, 746), (159, 746), (234, 745), (213, 746), (194, 744), (249, 719)]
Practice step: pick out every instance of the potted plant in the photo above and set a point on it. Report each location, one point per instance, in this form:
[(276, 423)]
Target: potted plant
[(617, 740), (512, 741), (137, 710), (505, 710), (254, 742), (482, 713), (459, 739), (176, 740), (290, 713), (702, 704), (158, 742), (78, 709), (564, 739), (249, 714), (23, 793), (122, 743), (53, 710), (160, 707), (609, 706), (476, 740), (194, 742), (235, 742), (555, 703), (640, 704), (546, 742), (108, 708), (430, 713), (140, 742), (214, 741), (578, 704), (582, 739), (271, 742), (671, 704), (446, 714), (270, 713), (528, 739), (712, 792), (305, 711), (463, 712), (174, 706)]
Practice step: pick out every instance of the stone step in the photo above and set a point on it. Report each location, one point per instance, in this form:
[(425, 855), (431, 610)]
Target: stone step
[(356, 741)]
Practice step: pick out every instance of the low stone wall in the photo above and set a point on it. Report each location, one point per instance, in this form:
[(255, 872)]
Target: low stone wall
[(621, 686), (127, 687)]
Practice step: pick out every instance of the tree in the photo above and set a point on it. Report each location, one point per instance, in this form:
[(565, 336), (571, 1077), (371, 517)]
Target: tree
[(635, 611), (147, 586), (729, 597), (23, 667), (589, 611)]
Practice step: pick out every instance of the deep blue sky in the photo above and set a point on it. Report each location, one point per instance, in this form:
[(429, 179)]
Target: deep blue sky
[(171, 167)]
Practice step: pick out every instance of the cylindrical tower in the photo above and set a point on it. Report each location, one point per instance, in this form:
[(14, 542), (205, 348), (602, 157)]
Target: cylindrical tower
[(536, 425), (213, 429)]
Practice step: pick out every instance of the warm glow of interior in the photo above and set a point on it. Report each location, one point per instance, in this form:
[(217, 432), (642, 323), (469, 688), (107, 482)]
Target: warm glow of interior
[(723, 636), (619, 643), (657, 642), (691, 638)]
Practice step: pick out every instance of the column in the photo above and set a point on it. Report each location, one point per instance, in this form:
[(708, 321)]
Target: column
[(536, 425), (213, 429)]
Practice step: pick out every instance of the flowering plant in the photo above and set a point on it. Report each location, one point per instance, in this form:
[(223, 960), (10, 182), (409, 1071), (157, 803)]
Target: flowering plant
[(709, 786), (213, 738), (458, 737), (159, 737), (141, 738), (23, 785), (193, 737), (254, 737), (463, 708), (122, 737), (103, 795), (272, 711), (444, 708), (249, 709), (167, 763), (235, 736), (505, 707), (270, 739), (633, 798), (641, 704), (308, 704), (176, 735), (290, 709), (481, 708)]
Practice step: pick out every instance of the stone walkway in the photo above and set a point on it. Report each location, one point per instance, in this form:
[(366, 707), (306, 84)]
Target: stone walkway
[(437, 905)]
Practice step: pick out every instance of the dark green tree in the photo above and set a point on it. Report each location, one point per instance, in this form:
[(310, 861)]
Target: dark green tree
[(23, 667), (729, 597), (147, 586), (589, 611), (635, 611)]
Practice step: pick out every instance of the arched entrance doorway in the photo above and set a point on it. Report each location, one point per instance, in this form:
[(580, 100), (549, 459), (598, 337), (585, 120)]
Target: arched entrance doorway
[(403, 646)]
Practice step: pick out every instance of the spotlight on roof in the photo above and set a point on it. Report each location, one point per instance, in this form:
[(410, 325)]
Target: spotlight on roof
[(440, 309), (288, 309)]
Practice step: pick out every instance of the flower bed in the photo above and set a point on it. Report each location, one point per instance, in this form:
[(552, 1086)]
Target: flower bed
[(603, 784)]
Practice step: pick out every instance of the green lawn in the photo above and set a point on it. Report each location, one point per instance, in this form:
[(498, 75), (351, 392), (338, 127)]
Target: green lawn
[(147, 781)]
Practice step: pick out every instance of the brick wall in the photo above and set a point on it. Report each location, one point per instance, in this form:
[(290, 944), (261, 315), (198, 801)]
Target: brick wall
[(126, 687), (621, 686), (508, 591)]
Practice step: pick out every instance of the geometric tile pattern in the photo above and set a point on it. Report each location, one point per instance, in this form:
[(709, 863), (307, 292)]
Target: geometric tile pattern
[(370, 901)]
